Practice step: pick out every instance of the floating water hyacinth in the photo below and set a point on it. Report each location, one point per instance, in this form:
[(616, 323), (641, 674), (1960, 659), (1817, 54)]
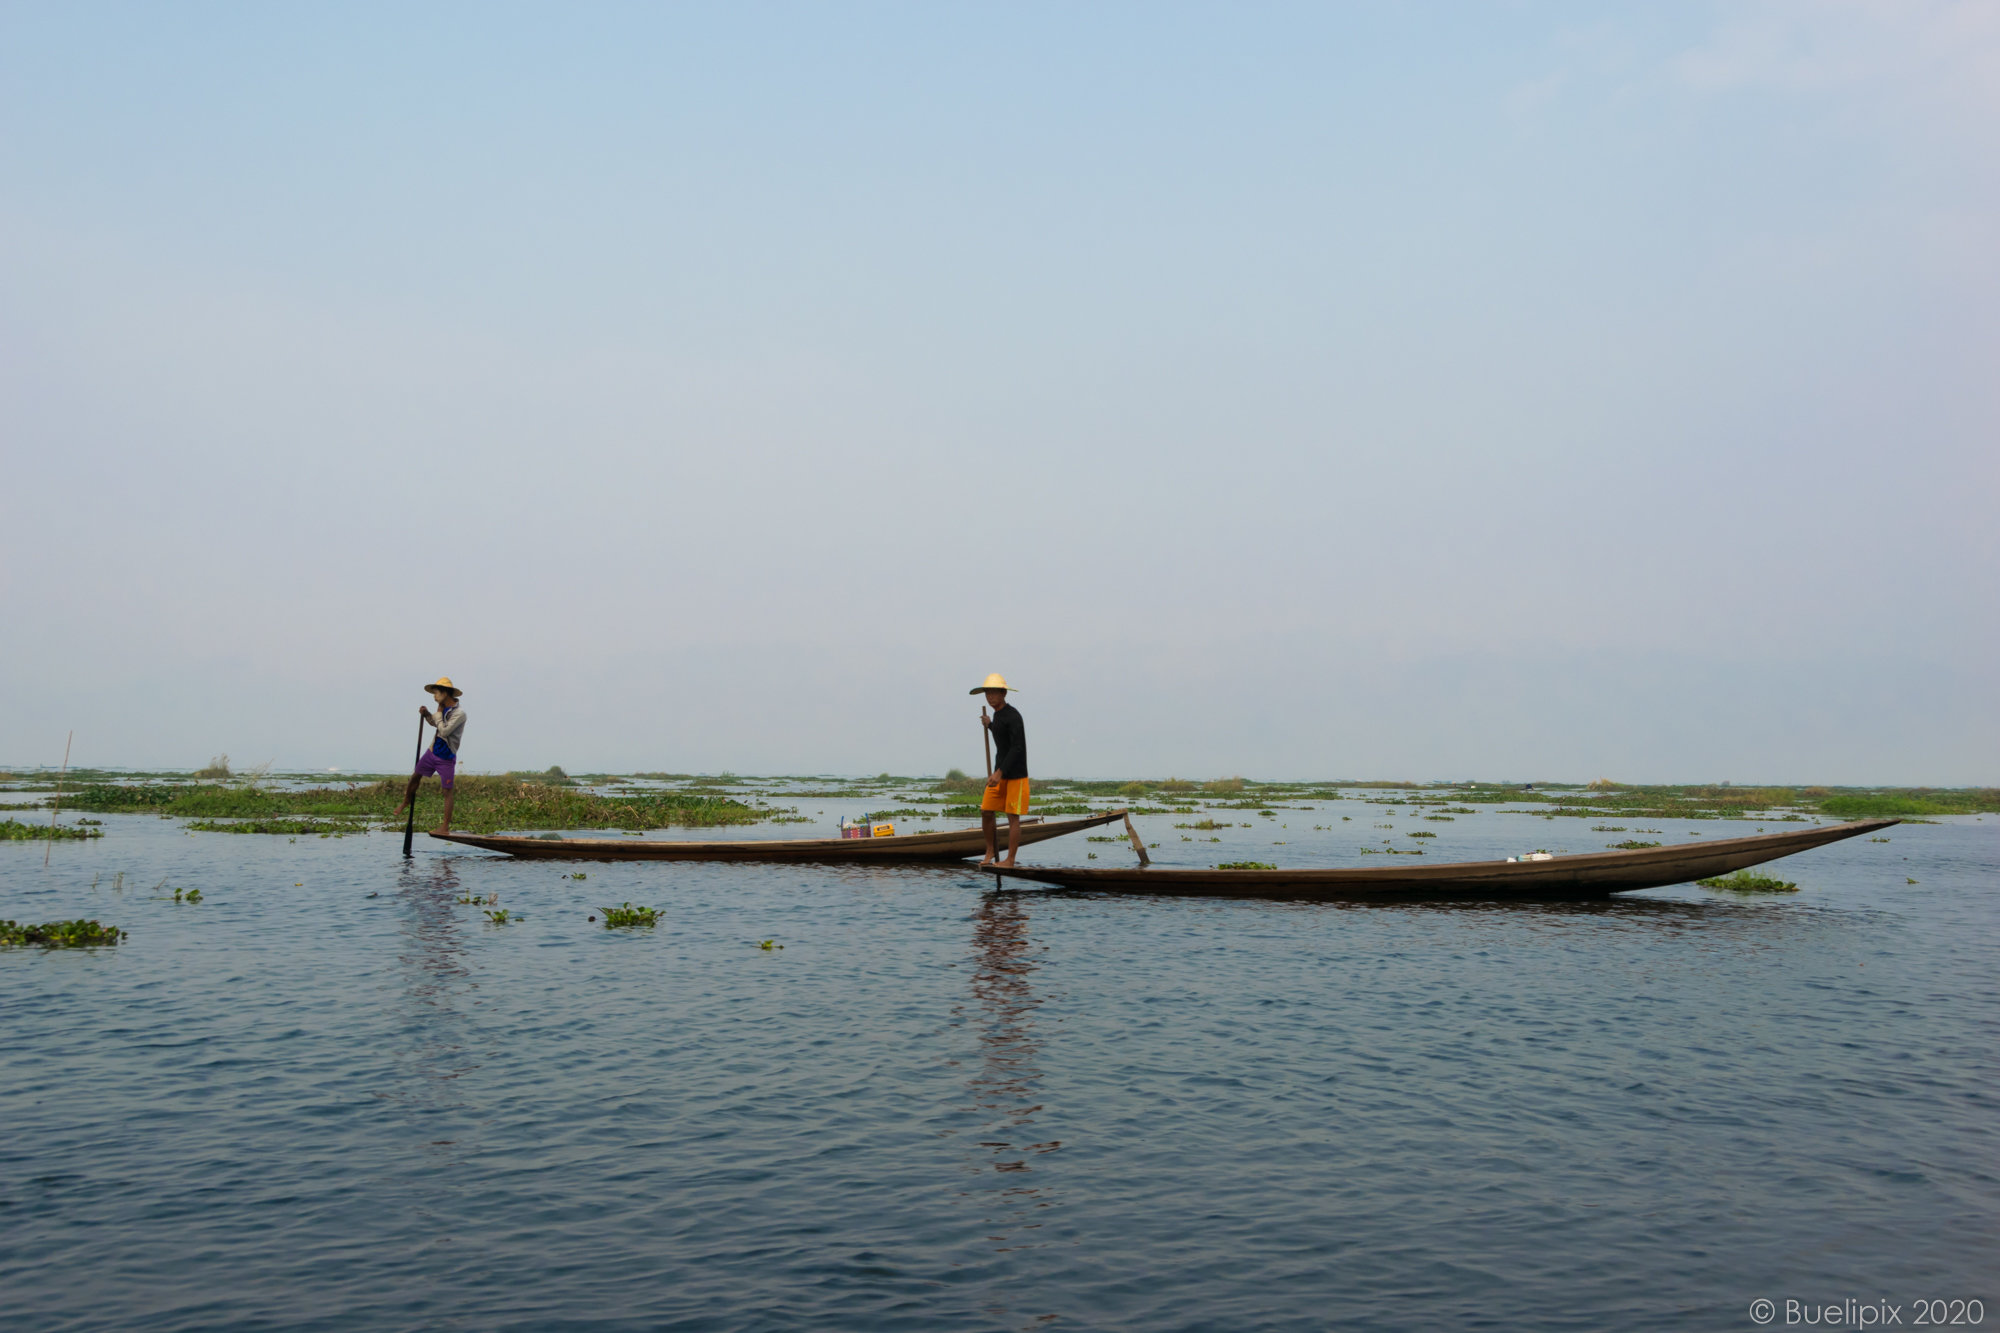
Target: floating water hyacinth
[(59, 934), (1745, 881), (627, 915)]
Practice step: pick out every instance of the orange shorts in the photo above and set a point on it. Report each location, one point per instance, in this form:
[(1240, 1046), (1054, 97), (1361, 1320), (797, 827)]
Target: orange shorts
[(1007, 796)]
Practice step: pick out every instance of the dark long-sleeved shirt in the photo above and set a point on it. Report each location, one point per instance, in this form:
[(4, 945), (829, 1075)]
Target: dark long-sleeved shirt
[(1010, 744)]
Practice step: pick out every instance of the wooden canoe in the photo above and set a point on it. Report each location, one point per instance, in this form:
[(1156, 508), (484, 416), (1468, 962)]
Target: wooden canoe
[(953, 845), (1590, 875)]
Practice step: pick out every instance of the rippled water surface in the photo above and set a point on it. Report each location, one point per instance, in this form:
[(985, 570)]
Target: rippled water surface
[(331, 1097)]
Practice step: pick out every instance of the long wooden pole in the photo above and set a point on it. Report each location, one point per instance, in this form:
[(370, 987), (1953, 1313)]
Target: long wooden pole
[(1137, 845), (986, 735), (58, 810), (410, 825)]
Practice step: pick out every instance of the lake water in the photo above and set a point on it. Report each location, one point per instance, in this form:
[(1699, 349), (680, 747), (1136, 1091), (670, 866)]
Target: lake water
[(331, 1097)]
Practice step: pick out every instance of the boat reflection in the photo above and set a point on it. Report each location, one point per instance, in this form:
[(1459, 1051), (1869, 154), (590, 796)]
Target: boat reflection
[(1006, 1080)]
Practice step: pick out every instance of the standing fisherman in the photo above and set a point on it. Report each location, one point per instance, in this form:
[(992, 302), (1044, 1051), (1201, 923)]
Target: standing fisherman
[(442, 757), (1007, 783)]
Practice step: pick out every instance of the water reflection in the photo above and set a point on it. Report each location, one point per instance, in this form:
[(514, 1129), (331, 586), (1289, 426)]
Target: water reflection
[(432, 1053), (1006, 1081)]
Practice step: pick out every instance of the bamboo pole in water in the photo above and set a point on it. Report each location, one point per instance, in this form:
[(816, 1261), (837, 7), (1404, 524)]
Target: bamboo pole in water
[(58, 806)]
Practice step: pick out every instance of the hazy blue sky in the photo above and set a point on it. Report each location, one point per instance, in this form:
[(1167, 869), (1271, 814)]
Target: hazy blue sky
[(1510, 390)]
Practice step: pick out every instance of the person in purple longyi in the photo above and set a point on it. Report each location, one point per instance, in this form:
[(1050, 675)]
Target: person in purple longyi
[(442, 757)]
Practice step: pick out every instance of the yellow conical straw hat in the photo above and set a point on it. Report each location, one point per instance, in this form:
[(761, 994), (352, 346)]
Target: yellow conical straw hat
[(996, 681), (444, 683)]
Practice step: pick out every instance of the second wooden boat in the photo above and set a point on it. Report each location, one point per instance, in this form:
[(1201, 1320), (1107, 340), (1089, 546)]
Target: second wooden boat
[(951, 845), (1591, 875)]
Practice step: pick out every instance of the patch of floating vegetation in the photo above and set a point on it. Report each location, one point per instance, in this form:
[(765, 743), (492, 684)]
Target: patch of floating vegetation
[(59, 934), (625, 914), (1246, 865), (325, 828), (1631, 845), (1890, 803), (483, 805), (13, 830), (1747, 881)]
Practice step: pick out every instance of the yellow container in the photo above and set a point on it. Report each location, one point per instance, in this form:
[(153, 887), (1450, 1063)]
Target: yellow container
[(885, 830)]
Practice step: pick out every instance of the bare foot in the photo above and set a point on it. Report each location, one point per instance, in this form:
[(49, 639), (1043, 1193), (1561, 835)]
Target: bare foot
[(986, 860), (443, 832), (1007, 864)]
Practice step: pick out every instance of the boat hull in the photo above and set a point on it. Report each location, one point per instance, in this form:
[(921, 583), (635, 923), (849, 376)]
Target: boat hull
[(1592, 875), (954, 845)]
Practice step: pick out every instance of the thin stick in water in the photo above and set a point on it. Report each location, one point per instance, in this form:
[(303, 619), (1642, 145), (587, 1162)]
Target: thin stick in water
[(58, 806)]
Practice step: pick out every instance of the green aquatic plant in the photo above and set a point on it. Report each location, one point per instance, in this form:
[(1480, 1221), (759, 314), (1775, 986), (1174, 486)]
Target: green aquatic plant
[(502, 916), (218, 768), (1745, 881), (1878, 840), (483, 804), (1246, 865), (627, 915), (1888, 803), (579, 875), (1631, 845), (1421, 833), (1607, 828), (769, 944), (13, 830), (59, 934), (325, 828), (1206, 824), (187, 895)]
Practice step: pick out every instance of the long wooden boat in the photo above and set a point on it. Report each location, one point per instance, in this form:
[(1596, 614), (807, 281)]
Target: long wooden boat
[(953, 845), (1590, 875)]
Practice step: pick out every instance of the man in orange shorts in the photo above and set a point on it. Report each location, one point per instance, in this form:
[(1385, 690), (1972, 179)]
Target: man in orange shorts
[(1007, 784)]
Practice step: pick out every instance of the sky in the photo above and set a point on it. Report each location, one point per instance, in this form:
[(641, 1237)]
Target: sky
[(1399, 391)]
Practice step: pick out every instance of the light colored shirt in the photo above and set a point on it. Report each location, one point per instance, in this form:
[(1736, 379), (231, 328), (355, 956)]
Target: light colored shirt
[(450, 729)]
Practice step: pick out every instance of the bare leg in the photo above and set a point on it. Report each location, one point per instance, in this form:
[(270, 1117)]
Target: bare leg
[(444, 825), (409, 794), (1013, 838), (987, 822)]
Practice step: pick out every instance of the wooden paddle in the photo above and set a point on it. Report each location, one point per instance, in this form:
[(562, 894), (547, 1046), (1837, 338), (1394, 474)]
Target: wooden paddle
[(1137, 845), (986, 735), (410, 828)]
